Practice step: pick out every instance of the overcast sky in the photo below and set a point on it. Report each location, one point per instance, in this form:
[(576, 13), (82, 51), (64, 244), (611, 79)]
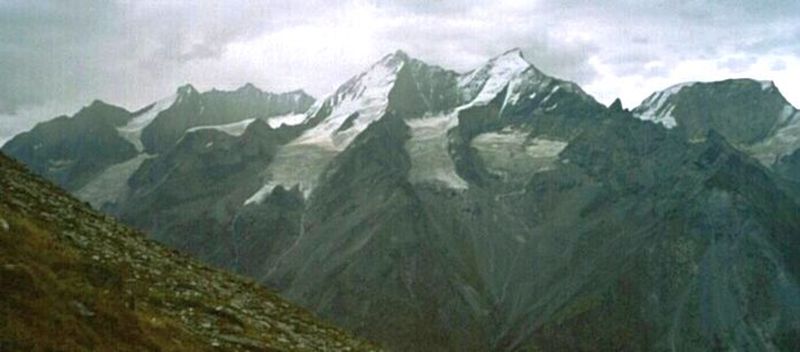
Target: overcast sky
[(56, 56)]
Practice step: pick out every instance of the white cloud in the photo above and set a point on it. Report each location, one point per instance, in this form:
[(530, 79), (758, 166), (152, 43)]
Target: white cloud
[(634, 88), (131, 53)]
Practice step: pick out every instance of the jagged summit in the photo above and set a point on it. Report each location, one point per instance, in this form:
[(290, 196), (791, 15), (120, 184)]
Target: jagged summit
[(400, 54), (98, 103), (101, 109), (186, 89), (298, 92), (503, 71), (616, 106), (356, 104), (400, 86), (395, 59), (514, 54), (511, 59), (248, 87)]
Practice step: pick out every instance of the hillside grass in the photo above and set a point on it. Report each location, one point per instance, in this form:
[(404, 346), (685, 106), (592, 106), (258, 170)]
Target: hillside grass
[(52, 299)]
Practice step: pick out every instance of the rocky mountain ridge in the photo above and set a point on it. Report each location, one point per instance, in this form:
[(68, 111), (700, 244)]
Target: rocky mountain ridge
[(752, 115), (72, 151), (497, 209)]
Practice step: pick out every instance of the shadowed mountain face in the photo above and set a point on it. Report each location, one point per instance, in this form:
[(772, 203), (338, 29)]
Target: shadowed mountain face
[(73, 151), (70, 151), (192, 109), (497, 209), (751, 115), (73, 279)]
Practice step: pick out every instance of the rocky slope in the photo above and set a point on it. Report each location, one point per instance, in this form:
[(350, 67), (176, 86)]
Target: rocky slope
[(497, 209), (622, 241), (73, 279)]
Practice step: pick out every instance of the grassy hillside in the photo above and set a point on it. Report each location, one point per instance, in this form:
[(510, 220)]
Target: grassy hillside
[(73, 279)]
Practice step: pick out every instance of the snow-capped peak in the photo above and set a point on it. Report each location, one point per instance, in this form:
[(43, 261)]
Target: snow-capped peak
[(511, 61), (512, 54), (355, 105), (482, 85), (340, 117), (349, 110)]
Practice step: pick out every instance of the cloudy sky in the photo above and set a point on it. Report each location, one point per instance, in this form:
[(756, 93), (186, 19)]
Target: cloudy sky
[(56, 56)]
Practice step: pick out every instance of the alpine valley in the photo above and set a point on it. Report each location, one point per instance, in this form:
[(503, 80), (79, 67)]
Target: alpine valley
[(498, 209)]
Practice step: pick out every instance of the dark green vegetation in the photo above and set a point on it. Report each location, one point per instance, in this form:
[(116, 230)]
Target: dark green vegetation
[(72, 279), (501, 209)]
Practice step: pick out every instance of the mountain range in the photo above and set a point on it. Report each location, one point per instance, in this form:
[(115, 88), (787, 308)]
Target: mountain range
[(496, 209)]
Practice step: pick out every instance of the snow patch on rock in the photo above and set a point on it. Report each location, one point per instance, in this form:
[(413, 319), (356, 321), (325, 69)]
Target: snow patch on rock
[(235, 129), (428, 148), (511, 152), (298, 165), (286, 120), (111, 185), (785, 140), (132, 131), (658, 108)]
